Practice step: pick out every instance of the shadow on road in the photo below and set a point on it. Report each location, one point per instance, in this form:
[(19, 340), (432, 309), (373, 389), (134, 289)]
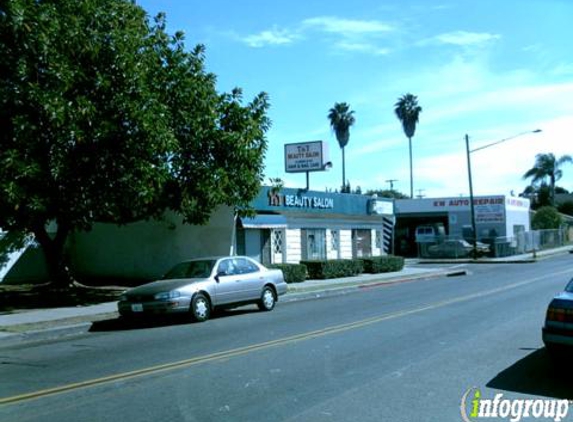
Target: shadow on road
[(538, 374), (122, 324)]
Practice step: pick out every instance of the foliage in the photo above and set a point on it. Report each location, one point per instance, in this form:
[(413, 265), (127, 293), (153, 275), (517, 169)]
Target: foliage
[(547, 166), (387, 193), (293, 273), (546, 218), (276, 184), (540, 196), (341, 118), (566, 208), (383, 264), (107, 118), (408, 112), (333, 268)]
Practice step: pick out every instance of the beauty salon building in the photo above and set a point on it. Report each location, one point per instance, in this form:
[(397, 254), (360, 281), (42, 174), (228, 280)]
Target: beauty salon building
[(291, 225)]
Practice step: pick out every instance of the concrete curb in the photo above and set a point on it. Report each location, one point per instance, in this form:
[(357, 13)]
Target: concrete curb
[(35, 336)]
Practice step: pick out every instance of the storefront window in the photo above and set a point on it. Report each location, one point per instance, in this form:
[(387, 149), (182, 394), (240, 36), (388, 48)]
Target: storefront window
[(314, 244), (378, 239), (334, 239), (361, 243), (278, 242)]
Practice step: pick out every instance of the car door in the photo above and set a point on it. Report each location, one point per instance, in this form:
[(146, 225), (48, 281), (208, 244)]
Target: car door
[(252, 281), (235, 284)]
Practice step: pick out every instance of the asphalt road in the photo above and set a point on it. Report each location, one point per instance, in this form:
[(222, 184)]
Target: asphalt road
[(405, 352)]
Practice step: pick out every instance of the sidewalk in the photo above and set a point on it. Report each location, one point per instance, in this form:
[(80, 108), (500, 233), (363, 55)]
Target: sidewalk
[(513, 259), (42, 324)]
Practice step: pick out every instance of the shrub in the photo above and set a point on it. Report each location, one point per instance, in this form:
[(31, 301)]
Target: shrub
[(546, 218), (293, 273), (334, 268), (383, 264)]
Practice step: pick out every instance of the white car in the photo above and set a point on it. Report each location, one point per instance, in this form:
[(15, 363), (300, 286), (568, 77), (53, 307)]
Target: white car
[(200, 285)]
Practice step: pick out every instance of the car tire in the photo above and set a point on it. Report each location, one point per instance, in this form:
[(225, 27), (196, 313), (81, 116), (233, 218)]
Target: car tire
[(268, 299), (200, 308)]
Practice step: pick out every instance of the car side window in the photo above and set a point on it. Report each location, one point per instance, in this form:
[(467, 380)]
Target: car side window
[(244, 266), (226, 267)]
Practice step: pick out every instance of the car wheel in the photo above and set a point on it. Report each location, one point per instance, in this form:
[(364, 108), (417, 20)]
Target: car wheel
[(200, 308), (268, 300)]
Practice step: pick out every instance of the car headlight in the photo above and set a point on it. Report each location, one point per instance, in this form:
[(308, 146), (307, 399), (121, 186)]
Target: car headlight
[(167, 295)]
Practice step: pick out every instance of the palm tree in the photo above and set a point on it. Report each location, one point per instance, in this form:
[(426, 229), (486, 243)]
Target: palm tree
[(407, 110), (341, 118), (547, 166)]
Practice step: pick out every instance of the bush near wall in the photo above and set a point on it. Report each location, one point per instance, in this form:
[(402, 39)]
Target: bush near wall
[(334, 268), (293, 273), (383, 264)]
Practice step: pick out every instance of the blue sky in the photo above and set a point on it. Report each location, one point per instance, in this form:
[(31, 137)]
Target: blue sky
[(491, 69)]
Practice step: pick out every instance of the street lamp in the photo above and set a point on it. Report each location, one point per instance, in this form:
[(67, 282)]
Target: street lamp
[(472, 208)]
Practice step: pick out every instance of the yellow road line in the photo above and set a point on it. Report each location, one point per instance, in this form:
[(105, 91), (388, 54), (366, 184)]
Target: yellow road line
[(260, 346)]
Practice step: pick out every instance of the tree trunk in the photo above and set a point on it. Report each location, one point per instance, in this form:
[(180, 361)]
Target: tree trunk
[(411, 169), (343, 172), (53, 248), (552, 189)]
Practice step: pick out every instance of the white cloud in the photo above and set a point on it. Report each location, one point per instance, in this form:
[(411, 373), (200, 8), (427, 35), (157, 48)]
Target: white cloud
[(347, 27), (462, 38), (563, 69), (361, 47), (355, 36), (272, 36)]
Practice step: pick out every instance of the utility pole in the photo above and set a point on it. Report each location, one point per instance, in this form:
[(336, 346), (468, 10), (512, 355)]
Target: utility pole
[(391, 181), (472, 207)]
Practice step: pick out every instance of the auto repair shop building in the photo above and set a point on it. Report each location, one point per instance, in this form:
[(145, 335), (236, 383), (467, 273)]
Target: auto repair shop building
[(496, 216)]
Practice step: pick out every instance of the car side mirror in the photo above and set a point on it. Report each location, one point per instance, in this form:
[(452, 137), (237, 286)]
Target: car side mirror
[(219, 275)]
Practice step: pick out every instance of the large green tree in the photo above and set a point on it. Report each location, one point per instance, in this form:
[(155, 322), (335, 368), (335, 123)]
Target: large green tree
[(105, 117), (408, 112), (547, 166), (341, 119)]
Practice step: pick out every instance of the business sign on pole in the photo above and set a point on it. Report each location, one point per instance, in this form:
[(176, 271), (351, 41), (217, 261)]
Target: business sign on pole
[(306, 156)]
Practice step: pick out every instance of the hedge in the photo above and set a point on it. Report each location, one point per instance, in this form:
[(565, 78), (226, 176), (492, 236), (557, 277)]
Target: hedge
[(383, 264), (293, 273), (334, 268)]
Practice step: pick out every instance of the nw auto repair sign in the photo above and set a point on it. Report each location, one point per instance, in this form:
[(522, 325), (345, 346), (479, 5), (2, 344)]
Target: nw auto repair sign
[(487, 210)]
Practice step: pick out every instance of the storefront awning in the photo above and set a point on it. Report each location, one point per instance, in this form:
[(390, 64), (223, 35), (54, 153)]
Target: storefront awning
[(264, 221)]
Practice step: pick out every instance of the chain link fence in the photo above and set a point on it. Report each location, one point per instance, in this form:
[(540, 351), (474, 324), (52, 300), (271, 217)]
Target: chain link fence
[(448, 247)]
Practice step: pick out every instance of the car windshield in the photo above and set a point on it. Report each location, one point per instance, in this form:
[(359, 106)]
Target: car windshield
[(191, 269), (569, 287)]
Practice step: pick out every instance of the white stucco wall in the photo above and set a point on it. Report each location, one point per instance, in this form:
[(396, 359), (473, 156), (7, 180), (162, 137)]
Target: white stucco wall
[(146, 250), (517, 214), (293, 246), (345, 244)]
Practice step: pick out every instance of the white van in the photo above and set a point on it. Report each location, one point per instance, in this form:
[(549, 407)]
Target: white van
[(427, 233)]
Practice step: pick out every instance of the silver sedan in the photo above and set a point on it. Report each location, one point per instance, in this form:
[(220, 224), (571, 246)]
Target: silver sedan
[(200, 285)]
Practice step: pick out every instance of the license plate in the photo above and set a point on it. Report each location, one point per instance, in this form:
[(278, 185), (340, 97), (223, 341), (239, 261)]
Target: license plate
[(136, 307)]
